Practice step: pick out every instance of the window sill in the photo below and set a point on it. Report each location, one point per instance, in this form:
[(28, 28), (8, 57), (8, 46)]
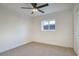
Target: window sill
[(48, 30)]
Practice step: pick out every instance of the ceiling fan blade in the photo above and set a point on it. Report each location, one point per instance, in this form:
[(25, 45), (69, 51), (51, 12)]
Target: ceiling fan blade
[(26, 8), (42, 6), (41, 11)]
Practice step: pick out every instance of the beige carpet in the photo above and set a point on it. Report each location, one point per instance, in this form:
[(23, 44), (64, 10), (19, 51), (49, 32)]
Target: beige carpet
[(38, 49)]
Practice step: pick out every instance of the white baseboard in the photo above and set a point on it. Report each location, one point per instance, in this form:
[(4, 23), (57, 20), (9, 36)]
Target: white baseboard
[(15, 46), (51, 44), (27, 43)]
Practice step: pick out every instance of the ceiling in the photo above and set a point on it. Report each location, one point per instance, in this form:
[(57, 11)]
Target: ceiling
[(53, 7)]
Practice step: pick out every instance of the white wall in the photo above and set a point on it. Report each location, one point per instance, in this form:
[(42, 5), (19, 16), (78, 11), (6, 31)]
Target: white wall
[(63, 36), (14, 29)]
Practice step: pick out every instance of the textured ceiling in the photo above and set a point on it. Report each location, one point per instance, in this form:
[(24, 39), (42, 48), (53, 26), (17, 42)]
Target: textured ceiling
[(53, 7)]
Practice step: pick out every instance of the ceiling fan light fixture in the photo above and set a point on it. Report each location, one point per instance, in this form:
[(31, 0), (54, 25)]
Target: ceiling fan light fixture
[(35, 10)]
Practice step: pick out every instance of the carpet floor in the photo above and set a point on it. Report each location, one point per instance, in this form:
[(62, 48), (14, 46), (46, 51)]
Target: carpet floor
[(39, 49)]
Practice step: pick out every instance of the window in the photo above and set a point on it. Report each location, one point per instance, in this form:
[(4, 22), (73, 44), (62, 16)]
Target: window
[(48, 25)]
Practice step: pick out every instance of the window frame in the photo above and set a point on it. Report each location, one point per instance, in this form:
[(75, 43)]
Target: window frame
[(49, 30)]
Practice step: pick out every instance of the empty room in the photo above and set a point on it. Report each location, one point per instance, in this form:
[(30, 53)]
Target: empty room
[(39, 29)]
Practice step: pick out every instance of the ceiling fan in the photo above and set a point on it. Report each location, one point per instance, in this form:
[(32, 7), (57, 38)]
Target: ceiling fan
[(35, 8)]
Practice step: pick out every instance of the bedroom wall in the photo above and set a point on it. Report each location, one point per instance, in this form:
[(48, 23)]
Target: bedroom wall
[(14, 29), (63, 36)]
